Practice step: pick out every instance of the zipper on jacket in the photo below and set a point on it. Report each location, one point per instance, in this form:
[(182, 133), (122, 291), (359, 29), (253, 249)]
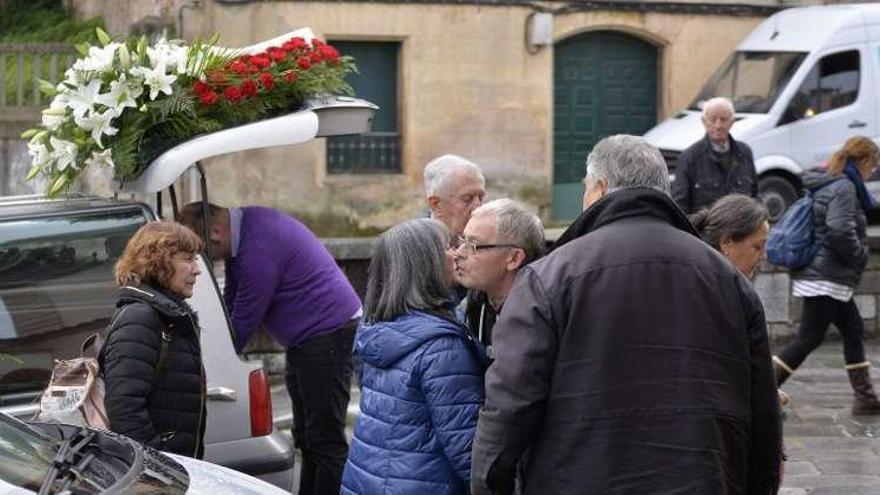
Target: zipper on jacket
[(204, 387)]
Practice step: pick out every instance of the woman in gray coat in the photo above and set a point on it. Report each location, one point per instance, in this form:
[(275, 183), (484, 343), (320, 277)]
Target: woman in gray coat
[(840, 200)]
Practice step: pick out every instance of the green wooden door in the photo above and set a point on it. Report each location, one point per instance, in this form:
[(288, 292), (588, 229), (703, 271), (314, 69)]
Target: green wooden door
[(604, 83)]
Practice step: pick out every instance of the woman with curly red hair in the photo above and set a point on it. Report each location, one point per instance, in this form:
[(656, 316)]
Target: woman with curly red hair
[(151, 361)]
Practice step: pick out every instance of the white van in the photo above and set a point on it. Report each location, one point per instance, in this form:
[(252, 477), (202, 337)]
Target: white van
[(802, 82)]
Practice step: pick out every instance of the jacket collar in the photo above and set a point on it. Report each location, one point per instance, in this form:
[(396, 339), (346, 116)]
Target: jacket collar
[(626, 203), (167, 305), (734, 145)]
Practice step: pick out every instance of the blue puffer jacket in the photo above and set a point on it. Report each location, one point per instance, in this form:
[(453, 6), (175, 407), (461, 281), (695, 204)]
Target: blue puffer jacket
[(421, 390)]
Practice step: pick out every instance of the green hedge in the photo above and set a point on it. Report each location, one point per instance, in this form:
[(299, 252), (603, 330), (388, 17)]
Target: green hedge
[(39, 21)]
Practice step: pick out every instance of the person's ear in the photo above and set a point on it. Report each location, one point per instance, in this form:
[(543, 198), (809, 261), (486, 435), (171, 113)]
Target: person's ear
[(215, 233), (516, 260), (725, 245), (434, 203)]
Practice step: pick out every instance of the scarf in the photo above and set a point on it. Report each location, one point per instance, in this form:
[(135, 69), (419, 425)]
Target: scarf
[(865, 198)]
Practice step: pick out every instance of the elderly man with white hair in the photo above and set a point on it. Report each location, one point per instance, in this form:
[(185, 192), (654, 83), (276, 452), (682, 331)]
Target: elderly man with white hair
[(454, 187), (716, 165)]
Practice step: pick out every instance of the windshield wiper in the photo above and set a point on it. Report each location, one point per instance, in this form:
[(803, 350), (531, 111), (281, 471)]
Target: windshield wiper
[(67, 465)]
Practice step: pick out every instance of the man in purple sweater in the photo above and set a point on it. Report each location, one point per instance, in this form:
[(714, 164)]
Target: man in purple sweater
[(281, 278)]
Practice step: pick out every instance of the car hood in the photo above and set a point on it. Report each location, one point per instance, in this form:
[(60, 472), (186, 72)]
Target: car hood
[(685, 128), (210, 479)]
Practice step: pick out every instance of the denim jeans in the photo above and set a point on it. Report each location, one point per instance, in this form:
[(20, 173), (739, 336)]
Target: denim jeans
[(318, 380)]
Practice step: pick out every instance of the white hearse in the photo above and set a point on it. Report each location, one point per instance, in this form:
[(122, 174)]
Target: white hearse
[(802, 82)]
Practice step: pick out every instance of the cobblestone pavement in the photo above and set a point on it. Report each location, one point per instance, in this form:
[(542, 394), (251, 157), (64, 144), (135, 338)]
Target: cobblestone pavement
[(830, 451)]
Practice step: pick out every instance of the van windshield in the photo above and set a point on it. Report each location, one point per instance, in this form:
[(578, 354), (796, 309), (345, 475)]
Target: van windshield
[(752, 80)]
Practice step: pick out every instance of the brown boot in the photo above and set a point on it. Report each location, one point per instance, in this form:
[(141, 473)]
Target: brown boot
[(865, 399), (781, 370)]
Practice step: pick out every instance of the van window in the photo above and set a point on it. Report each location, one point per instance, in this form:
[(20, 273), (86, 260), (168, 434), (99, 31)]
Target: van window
[(752, 80), (56, 288), (832, 83)]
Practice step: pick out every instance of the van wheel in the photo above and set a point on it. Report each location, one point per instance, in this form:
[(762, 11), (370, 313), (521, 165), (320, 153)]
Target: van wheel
[(776, 194)]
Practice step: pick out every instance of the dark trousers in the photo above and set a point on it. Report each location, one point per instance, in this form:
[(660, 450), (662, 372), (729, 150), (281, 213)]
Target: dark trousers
[(818, 313), (318, 379)]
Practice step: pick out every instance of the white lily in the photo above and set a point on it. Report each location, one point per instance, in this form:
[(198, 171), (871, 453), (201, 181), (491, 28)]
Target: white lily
[(99, 59), (101, 159), (98, 123), (171, 54), (157, 79), (63, 152), (55, 115), (122, 95), (39, 153), (83, 99)]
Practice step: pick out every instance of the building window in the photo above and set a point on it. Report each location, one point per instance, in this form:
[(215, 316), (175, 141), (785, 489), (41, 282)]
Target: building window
[(379, 150)]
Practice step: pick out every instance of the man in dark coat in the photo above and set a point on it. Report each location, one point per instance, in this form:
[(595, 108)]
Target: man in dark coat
[(716, 165), (631, 359)]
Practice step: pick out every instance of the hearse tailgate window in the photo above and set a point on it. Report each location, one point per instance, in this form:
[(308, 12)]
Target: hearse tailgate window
[(56, 288)]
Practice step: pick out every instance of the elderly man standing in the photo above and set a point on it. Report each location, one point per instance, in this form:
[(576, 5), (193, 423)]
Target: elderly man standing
[(716, 165), (631, 359), (281, 278), (500, 238), (454, 186)]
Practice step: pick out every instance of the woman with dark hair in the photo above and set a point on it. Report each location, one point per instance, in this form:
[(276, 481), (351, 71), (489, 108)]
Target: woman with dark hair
[(422, 372), (840, 200), (151, 361), (737, 226)]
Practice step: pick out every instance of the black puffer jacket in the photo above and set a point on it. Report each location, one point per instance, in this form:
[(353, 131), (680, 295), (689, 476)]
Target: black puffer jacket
[(632, 359), (166, 410), (841, 228)]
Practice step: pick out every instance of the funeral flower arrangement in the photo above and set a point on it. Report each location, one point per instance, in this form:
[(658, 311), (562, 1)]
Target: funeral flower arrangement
[(124, 102)]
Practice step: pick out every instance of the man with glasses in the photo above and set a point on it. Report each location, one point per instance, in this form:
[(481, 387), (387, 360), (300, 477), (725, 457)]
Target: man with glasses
[(454, 187), (716, 165), (500, 238)]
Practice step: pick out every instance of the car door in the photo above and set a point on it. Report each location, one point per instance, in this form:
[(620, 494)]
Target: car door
[(833, 102)]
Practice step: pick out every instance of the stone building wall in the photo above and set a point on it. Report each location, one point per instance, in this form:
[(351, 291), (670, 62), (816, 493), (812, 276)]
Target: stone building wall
[(467, 85)]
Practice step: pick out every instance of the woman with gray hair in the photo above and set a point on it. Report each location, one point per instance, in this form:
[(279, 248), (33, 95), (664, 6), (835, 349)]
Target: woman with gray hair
[(422, 374), (736, 226)]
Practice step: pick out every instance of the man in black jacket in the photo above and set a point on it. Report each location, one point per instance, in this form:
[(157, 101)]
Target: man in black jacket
[(716, 165), (631, 359)]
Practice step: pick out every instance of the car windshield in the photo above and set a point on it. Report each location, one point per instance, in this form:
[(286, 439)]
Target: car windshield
[(752, 80), (56, 288), (25, 455)]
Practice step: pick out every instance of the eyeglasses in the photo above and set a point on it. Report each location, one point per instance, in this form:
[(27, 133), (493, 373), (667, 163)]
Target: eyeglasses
[(470, 246)]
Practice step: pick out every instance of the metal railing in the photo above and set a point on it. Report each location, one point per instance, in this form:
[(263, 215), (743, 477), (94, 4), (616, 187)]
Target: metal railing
[(372, 152), (22, 65)]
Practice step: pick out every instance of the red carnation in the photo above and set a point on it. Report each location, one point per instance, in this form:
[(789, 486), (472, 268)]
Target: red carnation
[(248, 88), (238, 67), (315, 57), (232, 94), (290, 77), (267, 80), (209, 97), (200, 88), (316, 42), (304, 63), (329, 53), (277, 54), (261, 61), (294, 44)]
